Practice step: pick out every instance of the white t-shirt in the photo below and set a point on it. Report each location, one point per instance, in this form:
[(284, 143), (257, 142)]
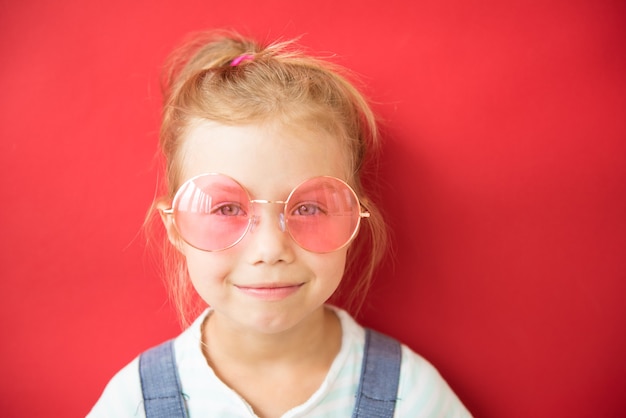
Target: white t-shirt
[(422, 391)]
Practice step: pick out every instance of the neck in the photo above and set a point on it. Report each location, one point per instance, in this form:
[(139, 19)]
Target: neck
[(273, 372), (316, 338)]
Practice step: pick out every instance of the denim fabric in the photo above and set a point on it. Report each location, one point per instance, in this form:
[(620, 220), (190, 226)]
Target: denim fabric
[(380, 377), (162, 394), (376, 398)]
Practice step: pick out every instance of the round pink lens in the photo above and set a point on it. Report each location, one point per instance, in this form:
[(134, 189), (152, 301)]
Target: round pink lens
[(323, 214), (211, 212)]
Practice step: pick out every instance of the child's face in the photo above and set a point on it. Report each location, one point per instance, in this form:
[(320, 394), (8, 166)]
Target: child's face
[(266, 282)]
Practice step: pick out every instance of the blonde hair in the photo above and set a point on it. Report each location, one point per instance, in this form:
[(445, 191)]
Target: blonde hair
[(208, 79)]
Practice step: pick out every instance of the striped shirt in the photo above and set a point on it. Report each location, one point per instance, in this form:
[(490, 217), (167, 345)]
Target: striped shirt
[(422, 391)]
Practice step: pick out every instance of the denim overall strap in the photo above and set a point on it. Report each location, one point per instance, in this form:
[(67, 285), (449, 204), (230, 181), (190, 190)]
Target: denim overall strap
[(160, 384), (380, 377)]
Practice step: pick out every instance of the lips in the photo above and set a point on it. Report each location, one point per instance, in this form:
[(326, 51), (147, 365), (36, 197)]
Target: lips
[(271, 292)]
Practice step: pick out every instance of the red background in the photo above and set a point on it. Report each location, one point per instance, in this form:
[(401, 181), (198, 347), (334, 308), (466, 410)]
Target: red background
[(504, 173)]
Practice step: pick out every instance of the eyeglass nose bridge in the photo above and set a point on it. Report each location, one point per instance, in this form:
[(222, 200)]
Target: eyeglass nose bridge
[(282, 224)]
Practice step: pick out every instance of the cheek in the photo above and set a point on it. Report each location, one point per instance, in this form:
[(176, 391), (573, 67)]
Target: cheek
[(206, 270), (331, 267)]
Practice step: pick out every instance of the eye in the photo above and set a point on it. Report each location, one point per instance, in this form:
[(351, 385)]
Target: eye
[(228, 209), (307, 209)]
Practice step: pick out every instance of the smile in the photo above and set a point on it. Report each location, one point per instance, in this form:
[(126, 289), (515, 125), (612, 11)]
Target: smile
[(270, 292)]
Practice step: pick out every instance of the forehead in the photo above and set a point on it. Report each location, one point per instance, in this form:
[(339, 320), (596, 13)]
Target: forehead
[(268, 158)]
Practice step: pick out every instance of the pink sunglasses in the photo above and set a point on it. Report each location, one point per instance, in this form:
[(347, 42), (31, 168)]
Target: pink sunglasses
[(213, 212)]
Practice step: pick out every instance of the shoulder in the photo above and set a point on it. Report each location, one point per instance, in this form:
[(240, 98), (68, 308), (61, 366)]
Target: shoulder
[(122, 396), (423, 392)]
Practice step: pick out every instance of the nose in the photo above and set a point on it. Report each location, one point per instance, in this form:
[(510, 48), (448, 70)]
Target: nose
[(269, 242), (282, 225)]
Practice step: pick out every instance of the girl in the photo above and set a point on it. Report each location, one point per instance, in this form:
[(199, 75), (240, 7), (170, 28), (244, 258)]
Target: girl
[(265, 214)]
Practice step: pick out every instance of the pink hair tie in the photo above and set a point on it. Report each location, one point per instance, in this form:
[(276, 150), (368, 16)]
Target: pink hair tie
[(240, 58)]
